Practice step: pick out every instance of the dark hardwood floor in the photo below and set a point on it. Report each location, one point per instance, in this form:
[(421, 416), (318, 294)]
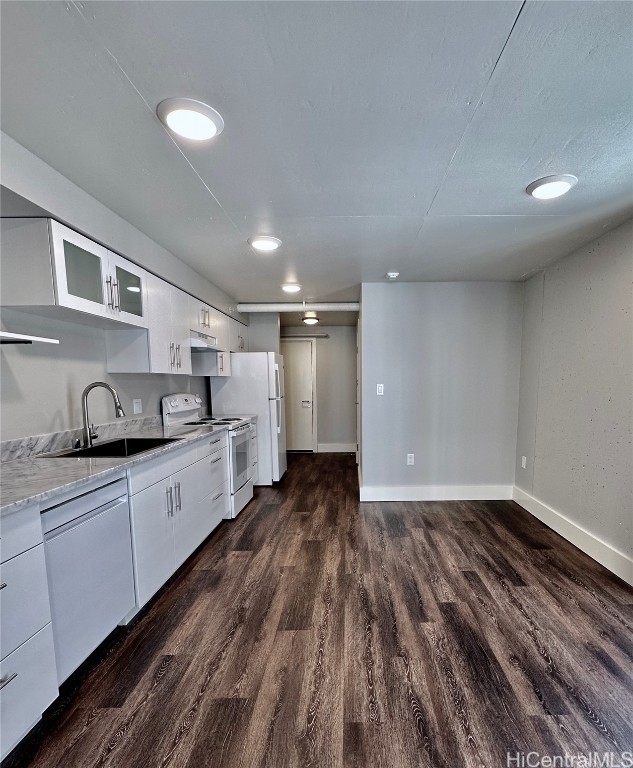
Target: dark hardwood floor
[(317, 631)]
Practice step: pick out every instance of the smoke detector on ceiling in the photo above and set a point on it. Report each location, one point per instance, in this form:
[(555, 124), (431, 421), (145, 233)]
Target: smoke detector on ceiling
[(392, 275)]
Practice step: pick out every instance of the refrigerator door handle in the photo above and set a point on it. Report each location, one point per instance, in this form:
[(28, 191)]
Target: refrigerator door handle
[(277, 382), (278, 402)]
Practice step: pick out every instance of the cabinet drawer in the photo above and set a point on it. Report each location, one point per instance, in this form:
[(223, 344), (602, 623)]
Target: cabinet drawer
[(24, 606), (30, 688), (154, 470), (213, 443), (220, 504), (219, 468), (20, 530)]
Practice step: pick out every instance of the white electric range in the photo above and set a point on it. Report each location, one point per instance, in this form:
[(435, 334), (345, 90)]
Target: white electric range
[(184, 410)]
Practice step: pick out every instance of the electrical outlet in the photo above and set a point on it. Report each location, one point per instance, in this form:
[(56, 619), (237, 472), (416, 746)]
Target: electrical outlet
[(137, 405), (523, 462), (410, 459), (380, 390)]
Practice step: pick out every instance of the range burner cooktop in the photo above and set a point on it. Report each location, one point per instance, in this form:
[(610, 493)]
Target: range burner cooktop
[(183, 410)]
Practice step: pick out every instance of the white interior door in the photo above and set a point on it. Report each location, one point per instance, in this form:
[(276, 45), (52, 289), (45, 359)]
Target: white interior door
[(300, 393)]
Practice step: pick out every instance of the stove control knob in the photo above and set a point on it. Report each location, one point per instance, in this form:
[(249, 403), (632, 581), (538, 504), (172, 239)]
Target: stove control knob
[(173, 403)]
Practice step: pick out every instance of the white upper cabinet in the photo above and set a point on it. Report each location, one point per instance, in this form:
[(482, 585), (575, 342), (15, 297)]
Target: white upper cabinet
[(219, 323), (238, 336), (210, 322), (69, 271), (165, 346)]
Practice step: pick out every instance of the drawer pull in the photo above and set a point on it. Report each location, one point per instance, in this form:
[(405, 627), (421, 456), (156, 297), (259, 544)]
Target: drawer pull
[(7, 679), (3, 585), (215, 498), (216, 460), (213, 442)]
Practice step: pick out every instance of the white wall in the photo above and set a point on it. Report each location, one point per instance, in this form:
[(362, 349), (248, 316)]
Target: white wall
[(576, 410), (41, 384), (263, 332), (336, 387), (448, 356)]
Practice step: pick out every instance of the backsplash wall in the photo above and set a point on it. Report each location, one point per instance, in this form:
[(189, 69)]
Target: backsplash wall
[(41, 384)]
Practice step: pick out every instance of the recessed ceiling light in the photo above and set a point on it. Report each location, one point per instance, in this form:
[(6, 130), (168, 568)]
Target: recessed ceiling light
[(264, 243), (291, 288), (134, 288), (392, 275), (190, 119), (310, 318), (550, 187)]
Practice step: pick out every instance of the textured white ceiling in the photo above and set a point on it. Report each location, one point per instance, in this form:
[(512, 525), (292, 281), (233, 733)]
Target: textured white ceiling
[(369, 136)]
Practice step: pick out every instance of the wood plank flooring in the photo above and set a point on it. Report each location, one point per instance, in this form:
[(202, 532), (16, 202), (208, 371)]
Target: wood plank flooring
[(318, 631)]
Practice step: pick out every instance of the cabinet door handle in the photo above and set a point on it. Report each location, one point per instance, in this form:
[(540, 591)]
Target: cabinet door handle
[(216, 497), (213, 442), (178, 498), (3, 585), (172, 354), (170, 501), (208, 322), (116, 290), (215, 461), (221, 361), (110, 293), (7, 679), (178, 355)]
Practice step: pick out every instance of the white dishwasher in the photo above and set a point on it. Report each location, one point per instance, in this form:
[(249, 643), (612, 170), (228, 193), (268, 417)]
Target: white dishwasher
[(87, 545)]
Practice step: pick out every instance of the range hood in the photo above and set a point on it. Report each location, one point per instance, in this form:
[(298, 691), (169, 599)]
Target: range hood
[(21, 338), (200, 342)]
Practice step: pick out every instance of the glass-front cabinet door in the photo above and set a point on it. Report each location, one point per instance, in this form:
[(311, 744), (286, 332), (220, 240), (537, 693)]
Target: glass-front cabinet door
[(92, 279), (80, 269), (129, 286)]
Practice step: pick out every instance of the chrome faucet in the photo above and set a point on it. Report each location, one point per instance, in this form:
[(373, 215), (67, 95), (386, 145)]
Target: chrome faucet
[(88, 429)]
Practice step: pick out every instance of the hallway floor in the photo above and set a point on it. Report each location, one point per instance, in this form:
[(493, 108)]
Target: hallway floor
[(316, 631)]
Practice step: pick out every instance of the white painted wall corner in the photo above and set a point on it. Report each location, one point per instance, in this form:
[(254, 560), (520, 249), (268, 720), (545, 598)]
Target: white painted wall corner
[(615, 561)]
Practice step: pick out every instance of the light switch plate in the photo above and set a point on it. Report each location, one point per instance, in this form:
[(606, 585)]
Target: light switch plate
[(137, 405), (380, 389), (523, 462)]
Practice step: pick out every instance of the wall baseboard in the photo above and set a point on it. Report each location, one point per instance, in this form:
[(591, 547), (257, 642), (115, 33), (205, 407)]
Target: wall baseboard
[(336, 448), (612, 559), (435, 492)]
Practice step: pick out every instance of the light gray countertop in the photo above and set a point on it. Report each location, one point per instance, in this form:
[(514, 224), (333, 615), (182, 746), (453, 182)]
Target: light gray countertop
[(40, 478)]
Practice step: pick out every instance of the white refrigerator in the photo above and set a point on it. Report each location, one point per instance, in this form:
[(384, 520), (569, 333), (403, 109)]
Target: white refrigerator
[(256, 386)]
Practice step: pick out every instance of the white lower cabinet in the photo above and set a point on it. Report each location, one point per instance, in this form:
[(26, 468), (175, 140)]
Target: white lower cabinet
[(29, 685), (152, 540), (28, 675), (172, 517)]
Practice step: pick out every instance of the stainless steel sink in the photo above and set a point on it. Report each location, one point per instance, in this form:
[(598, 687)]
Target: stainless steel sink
[(125, 446)]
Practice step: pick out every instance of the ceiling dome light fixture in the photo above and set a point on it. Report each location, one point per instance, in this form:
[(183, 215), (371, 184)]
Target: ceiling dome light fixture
[(310, 318), (264, 243), (392, 275), (190, 119), (550, 187), (291, 287)]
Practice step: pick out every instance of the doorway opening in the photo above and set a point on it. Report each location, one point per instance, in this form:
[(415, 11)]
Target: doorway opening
[(300, 394)]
